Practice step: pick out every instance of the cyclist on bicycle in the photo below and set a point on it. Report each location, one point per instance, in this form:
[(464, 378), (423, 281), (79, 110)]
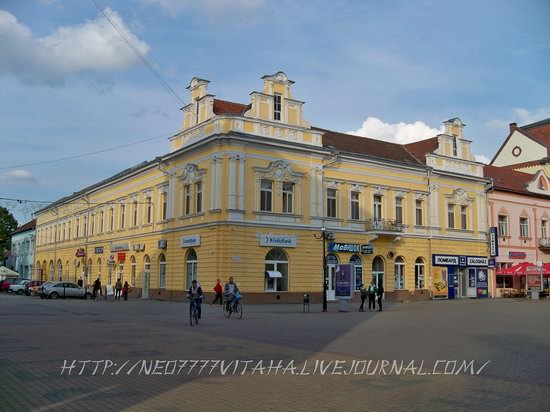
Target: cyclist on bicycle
[(231, 292), (195, 293)]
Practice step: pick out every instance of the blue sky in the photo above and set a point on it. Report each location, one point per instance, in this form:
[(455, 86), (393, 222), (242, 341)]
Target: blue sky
[(392, 70)]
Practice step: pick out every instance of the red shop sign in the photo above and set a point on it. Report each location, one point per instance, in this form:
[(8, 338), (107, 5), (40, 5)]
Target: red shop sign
[(517, 255), (121, 256)]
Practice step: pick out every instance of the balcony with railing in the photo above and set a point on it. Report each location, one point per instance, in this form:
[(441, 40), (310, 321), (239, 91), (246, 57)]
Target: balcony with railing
[(384, 227), (544, 243)]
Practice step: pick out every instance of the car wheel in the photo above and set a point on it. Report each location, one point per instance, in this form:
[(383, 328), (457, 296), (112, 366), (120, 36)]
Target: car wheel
[(54, 295), (20, 292), (10, 291), (88, 295)]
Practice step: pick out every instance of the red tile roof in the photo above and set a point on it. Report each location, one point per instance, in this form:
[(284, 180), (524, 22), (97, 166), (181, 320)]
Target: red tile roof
[(367, 146), (508, 180), (540, 130), (421, 148), (27, 226), (225, 107)]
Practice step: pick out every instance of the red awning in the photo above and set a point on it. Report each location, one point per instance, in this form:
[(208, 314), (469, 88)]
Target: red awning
[(525, 268)]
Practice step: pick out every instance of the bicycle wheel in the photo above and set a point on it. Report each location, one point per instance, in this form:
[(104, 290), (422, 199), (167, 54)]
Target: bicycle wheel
[(239, 310), (196, 313), (192, 314), (226, 310)]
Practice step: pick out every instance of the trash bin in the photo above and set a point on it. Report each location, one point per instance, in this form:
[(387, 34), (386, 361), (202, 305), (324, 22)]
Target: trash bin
[(306, 302)]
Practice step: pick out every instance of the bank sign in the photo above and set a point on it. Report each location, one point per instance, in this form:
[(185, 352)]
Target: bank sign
[(454, 260), (277, 240), (187, 241), (344, 247)]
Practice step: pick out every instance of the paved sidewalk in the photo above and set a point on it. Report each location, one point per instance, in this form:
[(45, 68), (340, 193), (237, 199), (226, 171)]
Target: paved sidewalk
[(38, 337)]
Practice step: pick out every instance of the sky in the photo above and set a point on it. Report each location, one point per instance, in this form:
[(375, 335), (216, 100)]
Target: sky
[(391, 70)]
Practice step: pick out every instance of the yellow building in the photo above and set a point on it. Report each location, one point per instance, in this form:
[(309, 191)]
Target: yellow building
[(245, 191)]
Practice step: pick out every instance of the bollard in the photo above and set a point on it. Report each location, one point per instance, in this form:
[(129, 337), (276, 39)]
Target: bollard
[(306, 302)]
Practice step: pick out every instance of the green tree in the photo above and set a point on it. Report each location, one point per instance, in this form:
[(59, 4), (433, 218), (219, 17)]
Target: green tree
[(7, 225)]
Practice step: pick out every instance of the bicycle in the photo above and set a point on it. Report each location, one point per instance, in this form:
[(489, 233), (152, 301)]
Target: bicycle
[(193, 312), (232, 307)]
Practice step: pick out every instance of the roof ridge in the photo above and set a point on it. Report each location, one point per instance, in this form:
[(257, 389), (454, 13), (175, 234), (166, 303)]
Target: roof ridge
[(537, 123)]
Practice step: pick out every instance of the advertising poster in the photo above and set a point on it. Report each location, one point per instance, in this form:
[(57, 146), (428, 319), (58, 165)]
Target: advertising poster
[(358, 277), (342, 277), (439, 287), (482, 285)]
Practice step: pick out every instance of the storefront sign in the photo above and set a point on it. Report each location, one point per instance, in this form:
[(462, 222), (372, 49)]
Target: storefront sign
[(534, 282), (342, 278), (367, 249), (517, 255), (482, 285), (162, 244), (344, 247), (493, 241), (358, 277), (80, 252), (187, 241), (121, 256), (111, 258), (439, 287), (445, 260), (98, 250), (492, 263), (277, 240), (477, 261), (119, 247)]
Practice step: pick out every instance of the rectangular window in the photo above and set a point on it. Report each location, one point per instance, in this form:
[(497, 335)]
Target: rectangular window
[(163, 205), (266, 193), (418, 212), (197, 108), (377, 207), (455, 146), (69, 230), (503, 225), (399, 209), (187, 200), (85, 226), (111, 219), (288, 197), (101, 222), (77, 228), (464, 217), (523, 227), (277, 98), (198, 198), (149, 210), (122, 216), (331, 202), (92, 224), (544, 229), (354, 205), (135, 211), (451, 216)]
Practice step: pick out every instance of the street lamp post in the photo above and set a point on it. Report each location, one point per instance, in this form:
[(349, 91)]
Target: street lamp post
[(323, 236)]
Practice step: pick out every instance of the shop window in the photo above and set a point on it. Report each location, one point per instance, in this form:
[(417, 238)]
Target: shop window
[(288, 197), (357, 267), (419, 273), (523, 227), (191, 266), (399, 273), (276, 271), (399, 209), (59, 270), (133, 268), (331, 202), (266, 195), (503, 225), (354, 204), (162, 271)]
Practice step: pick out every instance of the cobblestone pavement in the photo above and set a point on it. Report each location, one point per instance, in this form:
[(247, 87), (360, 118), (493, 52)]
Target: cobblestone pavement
[(38, 337)]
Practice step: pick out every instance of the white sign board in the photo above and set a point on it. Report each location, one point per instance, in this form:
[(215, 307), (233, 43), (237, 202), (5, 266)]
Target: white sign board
[(446, 260), (477, 261), (187, 241), (277, 240)]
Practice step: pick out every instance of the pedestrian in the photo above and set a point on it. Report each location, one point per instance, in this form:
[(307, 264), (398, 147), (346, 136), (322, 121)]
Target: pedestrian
[(380, 292), (80, 282), (218, 289), (371, 291), (125, 290), (363, 297), (96, 286), (118, 289)]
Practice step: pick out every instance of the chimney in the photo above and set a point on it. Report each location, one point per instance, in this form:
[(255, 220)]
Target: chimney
[(513, 126)]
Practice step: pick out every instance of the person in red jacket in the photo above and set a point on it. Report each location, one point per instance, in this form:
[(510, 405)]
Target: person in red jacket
[(218, 289)]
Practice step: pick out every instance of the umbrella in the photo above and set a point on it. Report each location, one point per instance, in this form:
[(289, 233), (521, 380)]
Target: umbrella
[(4, 271)]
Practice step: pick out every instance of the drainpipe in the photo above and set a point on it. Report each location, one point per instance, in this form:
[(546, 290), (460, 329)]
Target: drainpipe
[(429, 174)]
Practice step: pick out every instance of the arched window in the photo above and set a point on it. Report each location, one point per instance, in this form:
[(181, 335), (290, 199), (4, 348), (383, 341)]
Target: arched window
[(162, 271), (146, 263), (399, 273), (59, 270), (378, 270), (191, 267), (357, 270), (276, 271), (133, 268), (419, 273)]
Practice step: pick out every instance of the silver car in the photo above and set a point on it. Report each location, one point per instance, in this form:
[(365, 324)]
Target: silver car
[(56, 290), (18, 286)]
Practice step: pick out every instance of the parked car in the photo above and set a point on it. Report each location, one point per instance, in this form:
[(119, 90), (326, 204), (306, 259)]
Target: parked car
[(56, 290), (33, 287), (18, 286), (5, 284)]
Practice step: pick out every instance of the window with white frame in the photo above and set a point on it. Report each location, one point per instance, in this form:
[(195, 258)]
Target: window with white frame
[(77, 228), (523, 227), (277, 106), (69, 224), (133, 269), (191, 265), (455, 146), (111, 219), (464, 217), (288, 197), (163, 206), (122, 215), (399, 209), (503, 225), (135, 212), (451, 216), (276, 271), (419, 273), (331, 202), (148, 209), (544, 229), (418, 208), (198, 197), (354, 205), (92, 224), (101, 221), (377, 207), (266, 195), (187, 200), (399, 273)]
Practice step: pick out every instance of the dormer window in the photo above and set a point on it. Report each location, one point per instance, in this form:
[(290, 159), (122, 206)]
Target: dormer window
[(542, 184), (455, 146), (277, 98)]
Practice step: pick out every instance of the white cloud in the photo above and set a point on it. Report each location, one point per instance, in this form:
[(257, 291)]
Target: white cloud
[(18, 175), (520, 116), (401, 132), (215, 9), (482, 159), (91, 46)]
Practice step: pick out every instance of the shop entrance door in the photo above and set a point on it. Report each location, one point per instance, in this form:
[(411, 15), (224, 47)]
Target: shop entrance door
[(146, 284), (332, 261)]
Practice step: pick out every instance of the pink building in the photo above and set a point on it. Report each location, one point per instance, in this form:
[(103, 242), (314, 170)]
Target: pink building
[(519, 206)]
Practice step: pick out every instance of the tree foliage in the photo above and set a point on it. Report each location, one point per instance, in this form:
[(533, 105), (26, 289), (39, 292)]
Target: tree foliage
[(7, 225)]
